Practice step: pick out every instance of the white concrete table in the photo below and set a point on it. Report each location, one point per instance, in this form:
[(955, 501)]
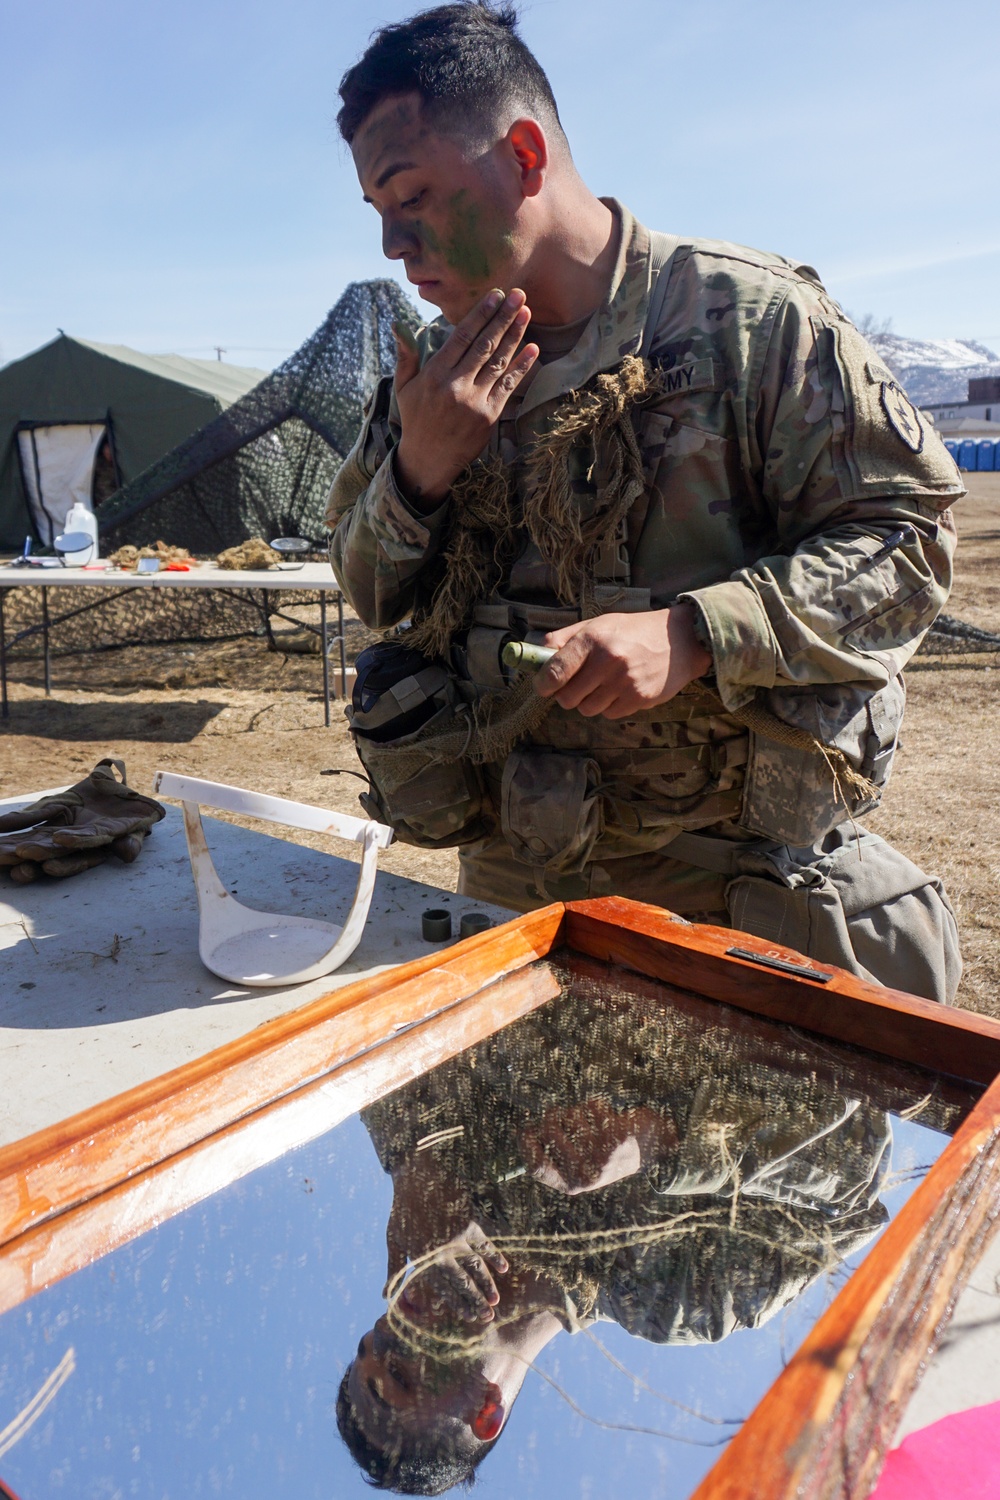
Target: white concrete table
[(312, 576), (101, 987), (965, 1369)]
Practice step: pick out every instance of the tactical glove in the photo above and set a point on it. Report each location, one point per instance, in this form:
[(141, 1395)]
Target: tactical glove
[(76, 829)]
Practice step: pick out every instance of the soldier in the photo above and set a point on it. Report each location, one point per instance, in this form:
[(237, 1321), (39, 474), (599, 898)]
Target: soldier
[(678, 463), (605, 1159)]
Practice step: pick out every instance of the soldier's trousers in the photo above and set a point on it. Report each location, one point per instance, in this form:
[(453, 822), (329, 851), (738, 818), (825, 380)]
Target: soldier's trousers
[(851, 900)]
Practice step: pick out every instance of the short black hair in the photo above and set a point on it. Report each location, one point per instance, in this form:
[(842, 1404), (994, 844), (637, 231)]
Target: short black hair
[(465, 61), (420, 1468)]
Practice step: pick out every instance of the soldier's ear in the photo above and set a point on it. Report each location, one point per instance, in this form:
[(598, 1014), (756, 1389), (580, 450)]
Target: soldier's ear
[(526, 141), (487, 1422)]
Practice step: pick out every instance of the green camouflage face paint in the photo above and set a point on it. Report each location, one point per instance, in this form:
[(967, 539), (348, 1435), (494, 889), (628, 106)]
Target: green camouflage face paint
[(474, 245)]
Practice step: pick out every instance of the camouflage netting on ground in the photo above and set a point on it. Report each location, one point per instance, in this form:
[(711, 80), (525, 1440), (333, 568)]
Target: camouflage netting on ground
[(951, 637), (137, 617), (102, 619), (263, 467)]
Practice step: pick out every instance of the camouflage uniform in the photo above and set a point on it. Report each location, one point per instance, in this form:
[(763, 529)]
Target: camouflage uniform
[(775, 1175), (793, 495)]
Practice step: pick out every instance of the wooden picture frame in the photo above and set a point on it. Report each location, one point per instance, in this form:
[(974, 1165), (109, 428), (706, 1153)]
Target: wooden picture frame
[(74, 1191)]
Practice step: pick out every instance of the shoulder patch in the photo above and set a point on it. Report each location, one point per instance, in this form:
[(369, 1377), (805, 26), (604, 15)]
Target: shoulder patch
[(904, 419), (880, 441)]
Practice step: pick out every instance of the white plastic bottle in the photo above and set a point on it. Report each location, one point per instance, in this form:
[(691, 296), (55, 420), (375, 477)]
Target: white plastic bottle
[(81, 518)]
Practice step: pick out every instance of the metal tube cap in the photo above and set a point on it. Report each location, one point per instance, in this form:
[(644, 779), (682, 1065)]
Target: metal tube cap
[(473, 922), (525, 657), (436, 925)]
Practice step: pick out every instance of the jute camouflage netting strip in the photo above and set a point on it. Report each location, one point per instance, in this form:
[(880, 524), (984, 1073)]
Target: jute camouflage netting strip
[(264, 466)]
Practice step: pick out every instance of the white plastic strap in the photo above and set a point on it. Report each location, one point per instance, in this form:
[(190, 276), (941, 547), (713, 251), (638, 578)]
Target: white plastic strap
[(236, 799)]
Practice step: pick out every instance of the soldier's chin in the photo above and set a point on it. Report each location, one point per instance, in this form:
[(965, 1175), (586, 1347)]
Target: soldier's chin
[(439, 295), (455, 305)]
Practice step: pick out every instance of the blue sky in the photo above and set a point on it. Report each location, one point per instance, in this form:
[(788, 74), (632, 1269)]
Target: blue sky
[(171, 175)]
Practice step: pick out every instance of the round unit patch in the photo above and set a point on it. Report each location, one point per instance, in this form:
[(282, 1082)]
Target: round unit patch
[(904, 419)]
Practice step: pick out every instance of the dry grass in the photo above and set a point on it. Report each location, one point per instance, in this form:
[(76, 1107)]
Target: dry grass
[(236, 712), (943, 804)]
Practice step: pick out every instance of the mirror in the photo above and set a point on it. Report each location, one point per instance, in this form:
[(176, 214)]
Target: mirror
[(71, 542), (655, 1196), (148, 565), (292, 549)]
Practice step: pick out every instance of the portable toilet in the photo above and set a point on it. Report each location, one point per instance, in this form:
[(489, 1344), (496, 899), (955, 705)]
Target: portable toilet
[(996, 454), (967, 453), (984, 453), (952, 448)]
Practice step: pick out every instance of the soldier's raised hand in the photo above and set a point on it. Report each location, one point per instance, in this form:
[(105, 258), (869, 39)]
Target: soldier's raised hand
[(448, 408), (457, 1278)]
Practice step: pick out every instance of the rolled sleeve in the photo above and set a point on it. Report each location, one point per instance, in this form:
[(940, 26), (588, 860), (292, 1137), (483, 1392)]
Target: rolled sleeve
[(735, 628), (381, 546)]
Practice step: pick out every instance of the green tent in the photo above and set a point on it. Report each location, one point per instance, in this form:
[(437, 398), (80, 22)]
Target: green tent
[(77, 420)]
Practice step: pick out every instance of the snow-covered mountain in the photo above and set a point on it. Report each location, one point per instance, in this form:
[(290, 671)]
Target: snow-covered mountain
[(934, 370)]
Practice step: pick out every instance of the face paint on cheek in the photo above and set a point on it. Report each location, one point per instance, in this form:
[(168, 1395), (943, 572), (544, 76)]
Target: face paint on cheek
[(404, 334), (428, 237), (474, 247)]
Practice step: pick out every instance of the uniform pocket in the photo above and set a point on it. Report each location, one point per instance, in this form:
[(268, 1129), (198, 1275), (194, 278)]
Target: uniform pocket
[(550, 808), (427, 800), (691, 524), (790, 793), (855, 901)]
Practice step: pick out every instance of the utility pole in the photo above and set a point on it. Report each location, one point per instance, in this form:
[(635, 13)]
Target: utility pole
[(219, 352)]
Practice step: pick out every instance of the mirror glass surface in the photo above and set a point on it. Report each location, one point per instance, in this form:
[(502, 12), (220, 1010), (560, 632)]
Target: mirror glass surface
[(602, 1232), (291, 544), (73, 541)]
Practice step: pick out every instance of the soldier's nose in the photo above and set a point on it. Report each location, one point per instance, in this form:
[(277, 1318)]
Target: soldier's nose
[(398, 240), (383, 1340)]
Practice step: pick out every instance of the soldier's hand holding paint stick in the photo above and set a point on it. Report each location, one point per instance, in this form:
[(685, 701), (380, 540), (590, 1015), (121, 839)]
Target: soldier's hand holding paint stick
[(616, 664), (522, 656)]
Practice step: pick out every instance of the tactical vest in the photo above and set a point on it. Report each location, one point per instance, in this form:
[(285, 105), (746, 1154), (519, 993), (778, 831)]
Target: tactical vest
[(568, 786)]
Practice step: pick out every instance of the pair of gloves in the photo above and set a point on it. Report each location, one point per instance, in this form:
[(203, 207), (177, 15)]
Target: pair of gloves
[(74, 830)]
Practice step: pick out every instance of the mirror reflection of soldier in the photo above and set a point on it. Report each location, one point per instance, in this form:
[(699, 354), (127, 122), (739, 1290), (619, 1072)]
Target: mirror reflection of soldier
[(677, 462), (599, 1160)]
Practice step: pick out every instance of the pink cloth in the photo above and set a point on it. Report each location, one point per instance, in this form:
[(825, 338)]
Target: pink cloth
[(957, 1458)]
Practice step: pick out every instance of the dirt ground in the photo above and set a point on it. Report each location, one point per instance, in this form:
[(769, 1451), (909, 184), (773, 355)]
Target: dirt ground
[(240, 713)]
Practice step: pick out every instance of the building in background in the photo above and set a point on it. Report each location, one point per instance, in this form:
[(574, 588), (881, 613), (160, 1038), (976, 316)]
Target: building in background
[(977, 416)]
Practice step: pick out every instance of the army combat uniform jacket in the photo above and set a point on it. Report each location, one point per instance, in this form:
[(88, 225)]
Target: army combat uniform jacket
[(791, 492), (774, 1178)]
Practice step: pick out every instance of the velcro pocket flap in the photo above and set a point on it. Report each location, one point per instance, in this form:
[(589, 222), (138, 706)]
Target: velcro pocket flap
[(550, 808)]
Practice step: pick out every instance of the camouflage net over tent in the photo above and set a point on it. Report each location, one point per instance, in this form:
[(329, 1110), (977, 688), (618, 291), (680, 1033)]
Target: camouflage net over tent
[(262, 468)]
